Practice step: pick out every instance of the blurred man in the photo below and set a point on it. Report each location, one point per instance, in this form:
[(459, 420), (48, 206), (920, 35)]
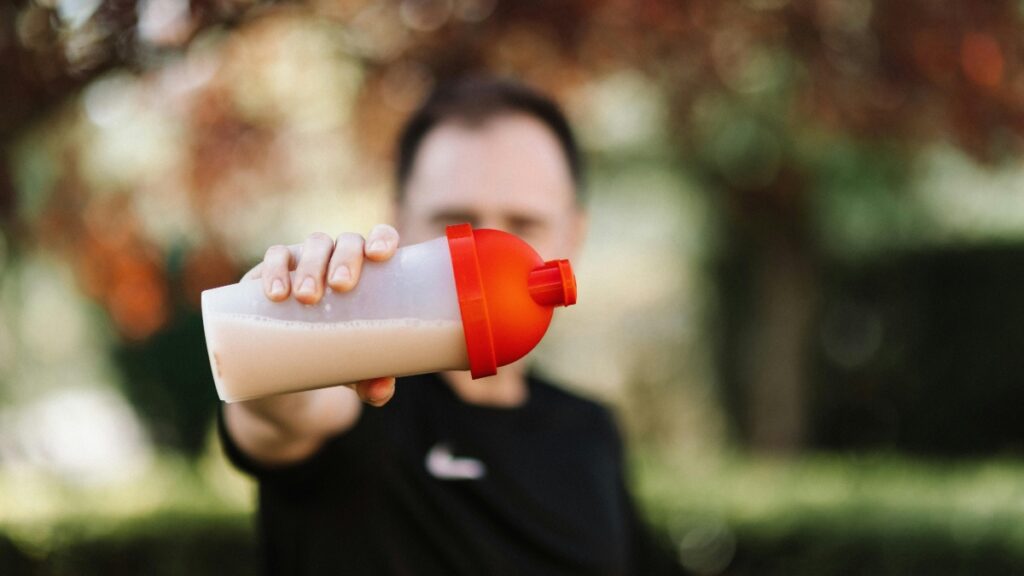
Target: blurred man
[(502, 475)]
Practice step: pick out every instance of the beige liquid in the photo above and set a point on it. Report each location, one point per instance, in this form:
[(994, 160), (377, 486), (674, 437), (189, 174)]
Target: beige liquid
[(253, 356)]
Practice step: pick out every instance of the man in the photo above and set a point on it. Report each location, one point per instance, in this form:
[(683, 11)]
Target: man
[(502, 475)]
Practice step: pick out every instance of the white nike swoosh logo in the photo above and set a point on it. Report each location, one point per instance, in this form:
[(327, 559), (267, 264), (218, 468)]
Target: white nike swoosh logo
[(442, 464)]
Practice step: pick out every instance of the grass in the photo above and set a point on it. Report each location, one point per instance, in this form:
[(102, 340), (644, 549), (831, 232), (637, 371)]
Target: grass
[(886, 513), (727, 514), (40, 512)]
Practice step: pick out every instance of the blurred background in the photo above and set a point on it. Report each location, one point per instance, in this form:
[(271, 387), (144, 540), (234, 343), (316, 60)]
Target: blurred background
[(801, 290)]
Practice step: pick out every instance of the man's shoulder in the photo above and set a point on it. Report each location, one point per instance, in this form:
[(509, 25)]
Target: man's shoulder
[(566, 399)]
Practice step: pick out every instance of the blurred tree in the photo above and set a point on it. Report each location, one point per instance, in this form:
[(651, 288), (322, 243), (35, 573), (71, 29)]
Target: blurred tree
[(763, 95)]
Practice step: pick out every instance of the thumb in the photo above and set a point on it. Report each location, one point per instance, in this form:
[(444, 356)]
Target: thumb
[(376, 391)]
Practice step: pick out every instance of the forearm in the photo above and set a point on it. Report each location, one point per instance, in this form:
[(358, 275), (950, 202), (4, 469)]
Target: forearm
[(290, 427)]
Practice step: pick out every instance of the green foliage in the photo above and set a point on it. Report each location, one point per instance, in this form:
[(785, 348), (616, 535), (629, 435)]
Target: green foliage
[(836, 515), (815, 516), (167, 378), (165, 543), (177, 516)]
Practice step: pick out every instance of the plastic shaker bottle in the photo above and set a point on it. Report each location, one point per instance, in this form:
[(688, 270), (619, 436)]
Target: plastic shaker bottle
[(474, 299)]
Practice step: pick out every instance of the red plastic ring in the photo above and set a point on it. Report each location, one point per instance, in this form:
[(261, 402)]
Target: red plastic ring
[(476, 322)]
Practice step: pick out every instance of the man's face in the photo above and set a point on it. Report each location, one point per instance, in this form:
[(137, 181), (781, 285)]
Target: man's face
[(509, 174)]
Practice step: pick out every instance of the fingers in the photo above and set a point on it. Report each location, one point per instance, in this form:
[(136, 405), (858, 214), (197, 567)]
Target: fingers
[(276, 262), (312, 268), (381, 243), (376, 392), (346, 262), (321, 262)]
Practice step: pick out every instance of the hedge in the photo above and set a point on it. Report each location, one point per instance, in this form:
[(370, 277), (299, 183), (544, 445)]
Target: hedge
[(817, 515)]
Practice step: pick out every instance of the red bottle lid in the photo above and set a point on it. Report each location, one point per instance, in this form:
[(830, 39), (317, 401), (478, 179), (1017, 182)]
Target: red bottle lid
[(507, 293)]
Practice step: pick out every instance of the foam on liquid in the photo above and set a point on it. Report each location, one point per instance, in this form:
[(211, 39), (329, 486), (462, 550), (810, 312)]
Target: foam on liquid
[(255, 356)]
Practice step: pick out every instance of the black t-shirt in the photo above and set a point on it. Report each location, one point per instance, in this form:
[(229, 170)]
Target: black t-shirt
[(430, 484)]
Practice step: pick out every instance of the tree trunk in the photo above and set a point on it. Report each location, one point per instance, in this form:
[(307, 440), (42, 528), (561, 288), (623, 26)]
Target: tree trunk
[(774, 369)]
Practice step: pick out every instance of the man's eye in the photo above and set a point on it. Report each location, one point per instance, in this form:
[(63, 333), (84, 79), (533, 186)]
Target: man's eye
[(526, 228)]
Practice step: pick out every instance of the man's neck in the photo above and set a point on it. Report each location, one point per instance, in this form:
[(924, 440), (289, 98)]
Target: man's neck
[(506, 389)]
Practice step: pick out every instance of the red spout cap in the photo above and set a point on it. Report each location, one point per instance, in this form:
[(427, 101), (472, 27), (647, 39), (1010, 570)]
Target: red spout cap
[(553, 284), (506, 294)]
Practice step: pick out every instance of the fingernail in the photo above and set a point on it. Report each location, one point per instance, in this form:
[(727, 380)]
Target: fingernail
[(377, 246), (341, 274), (277, 288), (307, 288)]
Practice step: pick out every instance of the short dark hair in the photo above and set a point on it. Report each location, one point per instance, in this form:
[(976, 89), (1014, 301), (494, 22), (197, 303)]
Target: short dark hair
[(475, 100)]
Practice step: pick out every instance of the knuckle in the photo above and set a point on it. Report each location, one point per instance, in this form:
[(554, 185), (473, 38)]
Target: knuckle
[(349, 246), (349, 238), (320, 238), (304, 260), (275, 251)]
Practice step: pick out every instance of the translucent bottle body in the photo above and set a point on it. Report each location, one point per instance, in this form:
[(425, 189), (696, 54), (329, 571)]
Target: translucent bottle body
[(402, 318)]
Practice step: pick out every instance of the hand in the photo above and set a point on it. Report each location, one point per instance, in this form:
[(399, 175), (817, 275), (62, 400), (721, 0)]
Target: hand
[(319, 262)]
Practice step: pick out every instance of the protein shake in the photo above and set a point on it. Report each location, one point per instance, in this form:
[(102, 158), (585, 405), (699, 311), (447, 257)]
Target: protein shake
[(315, 355), (471, 300)]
